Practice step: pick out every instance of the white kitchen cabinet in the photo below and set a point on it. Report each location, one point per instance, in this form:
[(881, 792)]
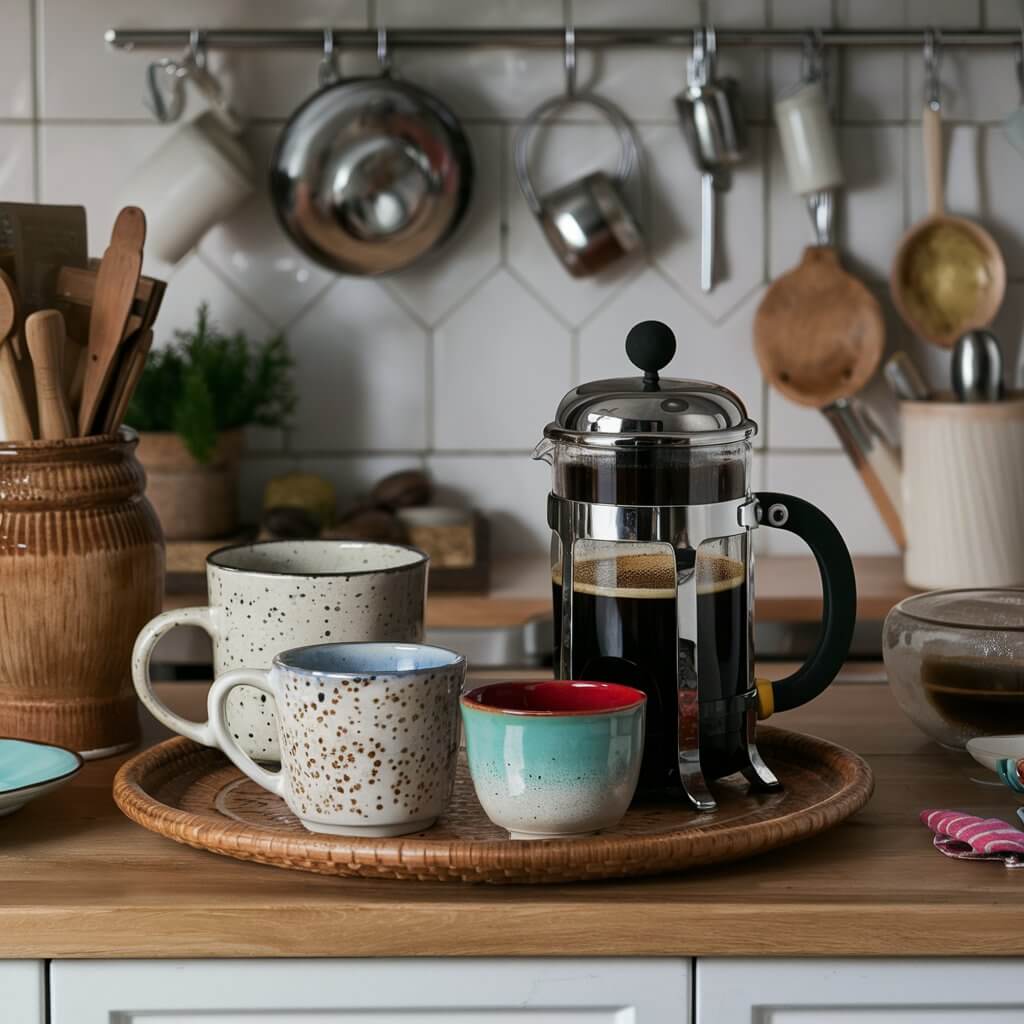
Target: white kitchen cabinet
[(769, 991), (22, 992), (428, 991)]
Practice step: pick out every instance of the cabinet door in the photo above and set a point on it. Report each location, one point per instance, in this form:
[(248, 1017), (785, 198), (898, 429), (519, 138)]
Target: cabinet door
[(23, 991), (469, 991), (767, 991)]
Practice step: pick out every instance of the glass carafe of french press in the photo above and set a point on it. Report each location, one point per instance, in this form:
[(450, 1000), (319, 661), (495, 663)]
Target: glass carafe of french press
[(653, 570)]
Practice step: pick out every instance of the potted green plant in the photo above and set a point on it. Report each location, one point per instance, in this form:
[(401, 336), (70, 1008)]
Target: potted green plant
[(192, 402)]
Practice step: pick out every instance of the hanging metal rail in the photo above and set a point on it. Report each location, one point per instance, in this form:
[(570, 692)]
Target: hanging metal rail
[(546, 38)]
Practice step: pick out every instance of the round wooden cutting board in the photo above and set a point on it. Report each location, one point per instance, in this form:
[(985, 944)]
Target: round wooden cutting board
[(193, 795)]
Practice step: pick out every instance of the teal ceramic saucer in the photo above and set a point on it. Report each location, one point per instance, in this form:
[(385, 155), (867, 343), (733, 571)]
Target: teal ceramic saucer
[(29, 769)]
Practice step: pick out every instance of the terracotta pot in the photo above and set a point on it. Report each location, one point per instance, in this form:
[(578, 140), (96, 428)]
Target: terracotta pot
[(194, 500), (81, 572)]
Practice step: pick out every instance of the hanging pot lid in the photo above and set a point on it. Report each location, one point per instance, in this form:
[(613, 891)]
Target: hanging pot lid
[(650, 410)]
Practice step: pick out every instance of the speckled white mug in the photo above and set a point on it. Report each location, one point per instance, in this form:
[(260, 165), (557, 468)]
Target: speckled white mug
[(269, 597), (369, 734)]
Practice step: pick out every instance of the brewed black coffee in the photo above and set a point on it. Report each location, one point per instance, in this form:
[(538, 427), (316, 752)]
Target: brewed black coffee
[(625, 630)]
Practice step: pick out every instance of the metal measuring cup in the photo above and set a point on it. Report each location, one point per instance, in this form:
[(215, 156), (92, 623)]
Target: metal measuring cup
[(711, 115), (588, 222)]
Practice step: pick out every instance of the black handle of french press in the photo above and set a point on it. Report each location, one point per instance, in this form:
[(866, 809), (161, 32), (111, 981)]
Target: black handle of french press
[(839, 597), (650, 346)]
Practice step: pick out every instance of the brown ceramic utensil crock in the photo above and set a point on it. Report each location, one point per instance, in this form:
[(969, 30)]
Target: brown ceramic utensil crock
[(81, 572)]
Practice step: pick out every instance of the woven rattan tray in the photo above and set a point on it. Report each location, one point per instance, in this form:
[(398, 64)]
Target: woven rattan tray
[(193, 795)]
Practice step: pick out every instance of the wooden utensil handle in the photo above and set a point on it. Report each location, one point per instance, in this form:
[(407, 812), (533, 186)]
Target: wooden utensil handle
[(44, 333), (931, 132), (18, 426), (876, 463)]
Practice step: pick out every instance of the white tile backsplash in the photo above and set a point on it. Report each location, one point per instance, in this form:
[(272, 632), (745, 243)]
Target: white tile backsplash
[(675, 222), (829, 481), (458, 363), (17, 92), (361, 372), (80, 78), (497, 377), (17, 163)]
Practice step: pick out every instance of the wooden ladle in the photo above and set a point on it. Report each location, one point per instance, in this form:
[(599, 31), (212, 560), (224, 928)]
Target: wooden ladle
[(819, 336), (949, 275)]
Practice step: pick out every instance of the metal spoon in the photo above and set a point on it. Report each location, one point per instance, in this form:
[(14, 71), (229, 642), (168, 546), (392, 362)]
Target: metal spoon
[(977, 367)]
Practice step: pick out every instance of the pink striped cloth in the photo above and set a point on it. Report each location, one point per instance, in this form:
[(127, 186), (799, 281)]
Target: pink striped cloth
[(970, 838)]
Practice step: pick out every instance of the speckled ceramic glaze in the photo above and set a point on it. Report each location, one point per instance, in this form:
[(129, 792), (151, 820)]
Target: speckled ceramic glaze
[(555, 758), (271, 597), (369, 734)]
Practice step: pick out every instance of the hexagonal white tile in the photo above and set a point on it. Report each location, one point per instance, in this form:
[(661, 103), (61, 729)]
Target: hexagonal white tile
[(720, 352), (80, 78), (829, 481), (559, 154), (252, 250), (17, 160), (16, 93), (192, 283), (432, 288), (501, 364), (675, 221), (361, 366)]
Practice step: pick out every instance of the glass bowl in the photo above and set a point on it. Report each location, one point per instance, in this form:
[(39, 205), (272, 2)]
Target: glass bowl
[(955, 661)]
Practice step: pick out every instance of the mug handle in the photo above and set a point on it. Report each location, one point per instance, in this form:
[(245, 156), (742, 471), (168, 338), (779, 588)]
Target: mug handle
[(216, 702), (839, 601), (150, 636)]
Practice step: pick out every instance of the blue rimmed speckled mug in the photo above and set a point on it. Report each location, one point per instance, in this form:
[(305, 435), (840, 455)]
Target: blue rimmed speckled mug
[(555, 758), (369, 734)]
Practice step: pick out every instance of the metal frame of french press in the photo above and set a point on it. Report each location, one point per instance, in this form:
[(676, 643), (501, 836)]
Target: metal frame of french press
[(679, 527)]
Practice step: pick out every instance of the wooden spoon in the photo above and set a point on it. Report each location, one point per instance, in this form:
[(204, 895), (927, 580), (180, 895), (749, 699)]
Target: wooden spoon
[(116, 282), (819, 336), (17, 425), (948, 276), (44, 333)]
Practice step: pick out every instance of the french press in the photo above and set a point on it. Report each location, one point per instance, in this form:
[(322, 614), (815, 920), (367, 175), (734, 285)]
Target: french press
[(653, 569)]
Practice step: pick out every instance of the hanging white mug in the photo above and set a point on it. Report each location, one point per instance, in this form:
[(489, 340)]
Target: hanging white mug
[(194, 180)]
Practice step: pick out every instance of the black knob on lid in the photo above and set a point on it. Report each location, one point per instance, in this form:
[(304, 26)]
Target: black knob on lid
[(650, 346)]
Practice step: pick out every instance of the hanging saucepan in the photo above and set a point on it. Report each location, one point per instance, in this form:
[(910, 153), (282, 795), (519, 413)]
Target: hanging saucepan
[(587, 222), (370, 174)]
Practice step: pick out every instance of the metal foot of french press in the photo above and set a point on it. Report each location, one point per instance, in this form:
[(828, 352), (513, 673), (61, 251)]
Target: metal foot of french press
[(757, 773), (691, 775)]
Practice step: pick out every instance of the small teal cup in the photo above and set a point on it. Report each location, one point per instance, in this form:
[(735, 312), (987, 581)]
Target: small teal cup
[(554, 759)]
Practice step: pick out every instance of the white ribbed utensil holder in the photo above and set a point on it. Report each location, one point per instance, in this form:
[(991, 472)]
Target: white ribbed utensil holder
[(963, 493)]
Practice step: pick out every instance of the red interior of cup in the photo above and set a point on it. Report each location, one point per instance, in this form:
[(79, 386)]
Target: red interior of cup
[(555, 697)]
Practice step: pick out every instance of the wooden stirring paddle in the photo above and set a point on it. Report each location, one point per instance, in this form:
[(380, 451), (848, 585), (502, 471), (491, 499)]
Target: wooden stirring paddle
[(116, 281), (13, 410), (44, 334)]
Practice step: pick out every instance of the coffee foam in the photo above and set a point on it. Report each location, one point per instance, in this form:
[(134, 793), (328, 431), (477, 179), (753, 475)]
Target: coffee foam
[(649, 576)]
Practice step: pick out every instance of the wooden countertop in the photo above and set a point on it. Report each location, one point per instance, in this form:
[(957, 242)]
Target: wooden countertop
[(788, 590), (79, 880)]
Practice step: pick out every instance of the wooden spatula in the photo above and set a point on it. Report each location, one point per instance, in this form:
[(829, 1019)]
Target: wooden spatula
[(44, 334), (135, 360), (116, 281), (13, 411)]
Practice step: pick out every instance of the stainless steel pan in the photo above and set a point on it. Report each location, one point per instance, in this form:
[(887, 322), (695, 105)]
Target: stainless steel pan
[(370, 174)]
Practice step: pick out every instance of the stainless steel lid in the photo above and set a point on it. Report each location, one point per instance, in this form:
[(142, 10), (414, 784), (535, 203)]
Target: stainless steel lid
[(650, 410)]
